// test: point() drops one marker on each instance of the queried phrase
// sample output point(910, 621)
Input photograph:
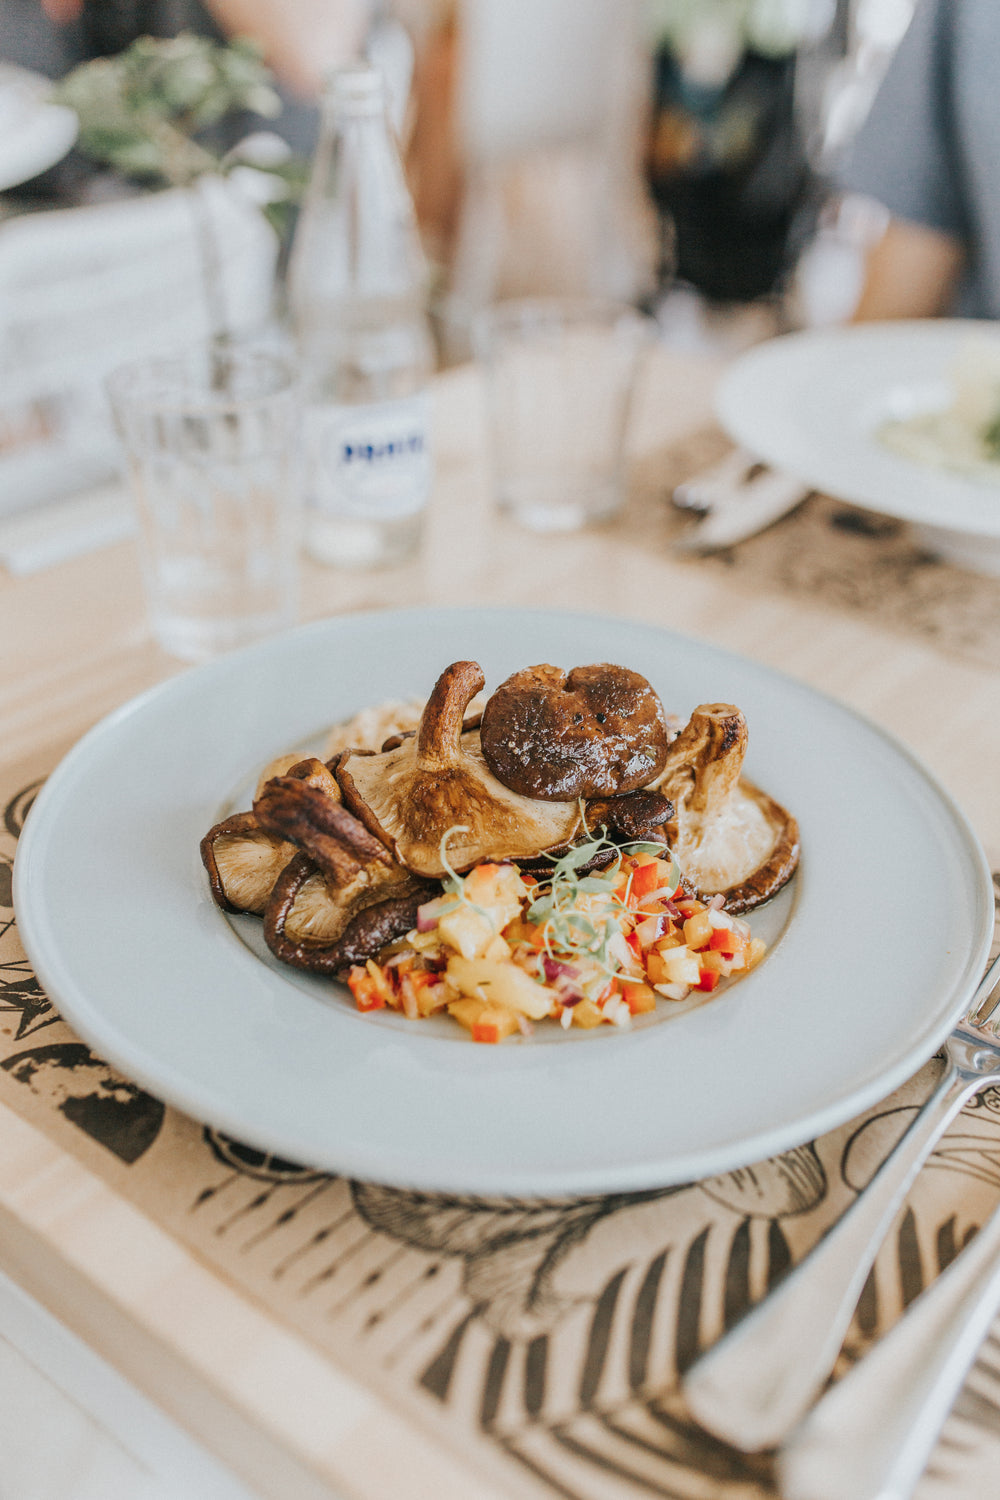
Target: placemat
point(542, 1339)
point(834, 554)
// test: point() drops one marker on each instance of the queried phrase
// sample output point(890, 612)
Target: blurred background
point(679, 154)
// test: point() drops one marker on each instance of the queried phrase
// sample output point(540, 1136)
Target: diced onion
point(427, 915)
point(673, 991)
point(663, 894)
point(650, 929)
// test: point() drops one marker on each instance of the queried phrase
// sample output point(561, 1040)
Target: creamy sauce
point(953, 437)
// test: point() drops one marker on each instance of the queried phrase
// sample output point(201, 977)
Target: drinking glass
point(560, 377)
point(211, 440)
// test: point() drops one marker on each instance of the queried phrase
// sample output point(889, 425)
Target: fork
point(756, 1384)
point(871, 1436)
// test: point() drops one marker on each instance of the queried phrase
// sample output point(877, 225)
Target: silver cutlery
point(736, 498)
point(871, 1436)
point(757, 1383)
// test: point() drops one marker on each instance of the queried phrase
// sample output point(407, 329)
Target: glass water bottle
point(357, 296)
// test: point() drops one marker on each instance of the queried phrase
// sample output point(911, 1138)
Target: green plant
point(147, 113)
point(141, 111)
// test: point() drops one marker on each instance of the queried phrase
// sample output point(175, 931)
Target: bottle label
point(370, 462)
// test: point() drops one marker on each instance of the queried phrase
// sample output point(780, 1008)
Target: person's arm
point(911, 272)
point(302, 39)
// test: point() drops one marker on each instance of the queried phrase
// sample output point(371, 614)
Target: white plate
point(34, 134)
point(891, 925)
point(812, 403)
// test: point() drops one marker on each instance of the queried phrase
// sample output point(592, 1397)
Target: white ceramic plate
point(891, 924)
point(812, 403)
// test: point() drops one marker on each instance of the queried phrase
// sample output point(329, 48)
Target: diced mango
point(698, 930)
point(503, 983)
point(498, 889)
point(656, 969)
point(681, 966)
point(640, 998)
point(755, 951)
point(467, 931)
point(486, 1022)
point(586, 1014)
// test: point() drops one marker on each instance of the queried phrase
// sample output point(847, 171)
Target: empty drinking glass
point(211, 439)
point(560, 377)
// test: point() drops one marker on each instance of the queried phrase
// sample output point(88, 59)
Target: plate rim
point(79, 1011)
point(749, 370)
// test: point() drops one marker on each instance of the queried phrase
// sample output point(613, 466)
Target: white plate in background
point(812, 403)
point(34, 134)
point(891, 925)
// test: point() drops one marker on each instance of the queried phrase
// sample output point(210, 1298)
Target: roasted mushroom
point(636, 815)
point(243, 858)
point(596, 731)
point(313, 924)
point(343, 896)
point(438, 784)
point(243, 861)
point(727, 835)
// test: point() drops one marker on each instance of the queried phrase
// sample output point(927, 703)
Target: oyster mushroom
point(343, 896)
point(438, 783)
point(313, 924)
point(242, 857)
point(727, 834)
point(243, 861)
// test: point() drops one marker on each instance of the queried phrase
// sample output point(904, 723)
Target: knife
point(736, 497)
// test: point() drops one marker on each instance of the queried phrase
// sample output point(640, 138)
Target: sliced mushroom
point(313, 925)
point(634, 815)
point(727, 834)
point(343, 896)
point(307, 811)
point(280, 766)
point(243, 861)
point(438, 784)
point(242, 856)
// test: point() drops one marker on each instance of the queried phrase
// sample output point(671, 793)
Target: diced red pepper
point(485, 1031)
point(707, 979)
point(646, 879)
point(726, 940)
point(367, 995)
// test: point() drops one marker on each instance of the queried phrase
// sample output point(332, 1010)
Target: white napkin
point(39, 539)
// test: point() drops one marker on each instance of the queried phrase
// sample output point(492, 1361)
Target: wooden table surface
point(76, 646)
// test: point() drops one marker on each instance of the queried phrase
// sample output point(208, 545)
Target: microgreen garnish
point(454, 884)
point(579, 933)
point(579, 912)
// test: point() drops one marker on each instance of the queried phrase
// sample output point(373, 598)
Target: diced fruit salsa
point(502, 949)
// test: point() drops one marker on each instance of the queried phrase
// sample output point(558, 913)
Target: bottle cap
point(358, 87)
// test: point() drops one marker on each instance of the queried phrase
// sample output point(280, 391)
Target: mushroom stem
point(308, 817)
point(708, 755)
point(441, 722)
